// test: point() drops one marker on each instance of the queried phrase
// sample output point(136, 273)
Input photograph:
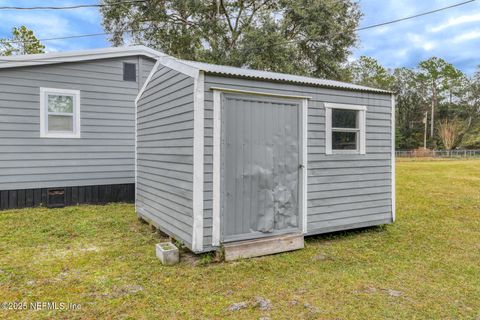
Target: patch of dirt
point(68, 274)
point(238, 306)
point(262, 303)
point(394, 293)
point(372, 290)
point(259, 302)
point(125, 291)
point(301, 291)
point(189, 258)
point(367, 290)
point(322, 257)
point(30, 283)
point(310, 308)
point(63, 253)
point(294, 302)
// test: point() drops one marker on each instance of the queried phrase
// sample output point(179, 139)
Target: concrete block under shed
point(168, 253)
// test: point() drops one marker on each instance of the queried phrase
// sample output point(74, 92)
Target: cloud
point(452, 34)
point(471, 35)
point(420, 41)
point(54, 24)
point(43, 24)
point(457, 21)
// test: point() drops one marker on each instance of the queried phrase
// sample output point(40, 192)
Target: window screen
point(60, 113)
point(344, 118)
point(345, 129)
point(344, 140)
point(129, 71)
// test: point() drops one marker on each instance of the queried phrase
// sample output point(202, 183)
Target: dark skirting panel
point(51, 197)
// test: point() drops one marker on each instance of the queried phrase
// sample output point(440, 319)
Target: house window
point(59, 113)
point(129, 71)
point(345, 129)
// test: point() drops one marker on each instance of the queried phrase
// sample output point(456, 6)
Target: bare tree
point(450, 131)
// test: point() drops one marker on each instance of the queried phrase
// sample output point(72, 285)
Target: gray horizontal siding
point(105, 152)
point(165, 153)
point(344, 191)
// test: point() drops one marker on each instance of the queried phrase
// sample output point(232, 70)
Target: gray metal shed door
point(260, 166)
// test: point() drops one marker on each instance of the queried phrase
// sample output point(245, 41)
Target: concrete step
point(263, 246)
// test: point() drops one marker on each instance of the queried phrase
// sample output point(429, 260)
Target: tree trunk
point(434, 99)
point(425, 133)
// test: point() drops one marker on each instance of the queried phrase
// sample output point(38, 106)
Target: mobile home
point(67, 126)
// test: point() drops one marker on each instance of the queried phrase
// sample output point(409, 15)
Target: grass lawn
point(425, 266)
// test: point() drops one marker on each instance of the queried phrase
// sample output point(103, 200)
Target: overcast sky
point(453, 34)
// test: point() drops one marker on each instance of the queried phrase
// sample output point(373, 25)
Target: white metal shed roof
point(75, 56)
point(267, 75)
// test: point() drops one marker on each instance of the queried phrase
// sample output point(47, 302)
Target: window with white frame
point(344, 128)
point(59, 113)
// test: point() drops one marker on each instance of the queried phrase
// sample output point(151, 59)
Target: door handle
point(301, 166)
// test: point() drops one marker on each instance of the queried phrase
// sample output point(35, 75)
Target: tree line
point(437, 105)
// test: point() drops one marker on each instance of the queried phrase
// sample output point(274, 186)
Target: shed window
point(59, 113)
point(345, 128)
point(129, 71)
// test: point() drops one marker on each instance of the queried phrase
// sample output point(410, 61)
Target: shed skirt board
point(260, 163)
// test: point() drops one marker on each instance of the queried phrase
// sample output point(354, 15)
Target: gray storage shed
point(227, 154)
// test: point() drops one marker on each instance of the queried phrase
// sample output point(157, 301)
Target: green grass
point(425, 266)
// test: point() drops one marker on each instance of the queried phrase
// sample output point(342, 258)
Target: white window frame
point(75, 94)
point(362, 111)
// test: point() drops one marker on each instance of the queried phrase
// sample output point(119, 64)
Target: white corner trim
point(171, 63)
point(139, 95)
point(393, 160)
point(304, 161)
point(198, 160)
point(217, 96)
point(179, 66)
point(44, 113)
point(362, 120)
point(147, 81)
